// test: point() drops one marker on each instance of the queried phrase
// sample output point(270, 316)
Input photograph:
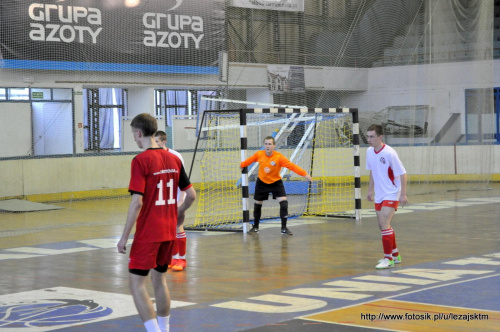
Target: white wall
point(442, 86)
point(141, 100)
point(78, 120)
point(78, 80)
point(15, 118)
point(259, 95)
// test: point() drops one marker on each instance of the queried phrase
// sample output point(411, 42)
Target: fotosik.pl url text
point(425, 316)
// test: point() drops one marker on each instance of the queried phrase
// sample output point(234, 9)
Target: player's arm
point(248, 161)
point(284, 162)
point(404, 181)
point(399, 169)
point(371, 185)
point(133, 212)
point(186, 186)
point(188, 201)
point(183, 193)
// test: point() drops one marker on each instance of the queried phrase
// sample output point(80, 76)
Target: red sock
point(181, 244)
point(395, 252)
point(175, 250)
point(387, 235)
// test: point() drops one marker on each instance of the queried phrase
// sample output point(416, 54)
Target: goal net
point(321, 141)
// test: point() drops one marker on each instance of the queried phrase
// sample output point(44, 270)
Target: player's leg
point(142, 259)
point(159, 279)
point(175, 254)
point(280, 194)
point(261, 194)
point(162, 297)
point(283, 202)
point(179, 262)
point(180, 250)
point(396, 257)
point(384, 216)
point(392, 207)
point(257, 213)
point(142, 301)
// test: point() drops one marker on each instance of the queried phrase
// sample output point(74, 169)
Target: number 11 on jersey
point(170, 187)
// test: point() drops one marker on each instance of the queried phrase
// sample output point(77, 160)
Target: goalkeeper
point(269, 181)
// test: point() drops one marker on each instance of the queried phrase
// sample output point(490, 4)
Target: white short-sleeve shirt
point(180, 194)
point(386, 171)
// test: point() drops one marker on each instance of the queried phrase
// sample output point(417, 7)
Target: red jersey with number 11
point(156, 175)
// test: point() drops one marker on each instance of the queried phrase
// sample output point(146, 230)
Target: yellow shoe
point(172, 262)
point(180, 265)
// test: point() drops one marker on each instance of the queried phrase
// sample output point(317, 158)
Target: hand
point(309, 178)
point(403, 200)
point(369, 196)
point(122, 246)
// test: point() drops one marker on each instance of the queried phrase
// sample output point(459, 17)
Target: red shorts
point(147, 256)
point(392, 204)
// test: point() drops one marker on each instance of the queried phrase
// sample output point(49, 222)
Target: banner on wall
point(172, 36)
point(284, 5)
point(285, 79)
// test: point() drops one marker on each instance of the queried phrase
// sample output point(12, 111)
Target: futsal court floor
point(60, 271)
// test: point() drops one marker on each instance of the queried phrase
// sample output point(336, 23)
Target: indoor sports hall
point(220, 76)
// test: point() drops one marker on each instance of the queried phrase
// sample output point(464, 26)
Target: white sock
point(152, 325)
point(164, 323)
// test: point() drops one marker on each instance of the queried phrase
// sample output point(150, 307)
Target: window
point(102, 120)
point(171, 102)
point(19, 94)
point(62, 94)
point(44, 116)
point(179, 102)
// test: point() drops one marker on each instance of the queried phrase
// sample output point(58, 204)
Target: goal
point(323, 141)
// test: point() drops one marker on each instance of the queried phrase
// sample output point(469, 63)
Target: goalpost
point(323, 141)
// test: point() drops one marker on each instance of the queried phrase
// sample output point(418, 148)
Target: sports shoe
point(172, 262)
point(385, 264)
point(395, 259)
point(254, 230)
point(286, 231)
point(180, 265)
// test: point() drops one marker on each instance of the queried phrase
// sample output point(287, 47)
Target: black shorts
point(263, 189)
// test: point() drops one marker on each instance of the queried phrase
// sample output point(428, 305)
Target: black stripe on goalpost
point(357, 164)
point(244, 173)
point(355, 142)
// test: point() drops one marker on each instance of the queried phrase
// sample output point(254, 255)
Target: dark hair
point(378, 129)
point(146, 123)
point(271, 138)
point(162, 135)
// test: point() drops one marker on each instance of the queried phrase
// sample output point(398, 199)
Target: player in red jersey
point(155, 176)
point(269, 181)
point(388, 178)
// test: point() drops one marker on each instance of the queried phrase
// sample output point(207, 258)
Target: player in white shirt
point(388, 179)
point(179, 252)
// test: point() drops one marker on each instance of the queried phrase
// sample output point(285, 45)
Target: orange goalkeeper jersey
point(270, 167)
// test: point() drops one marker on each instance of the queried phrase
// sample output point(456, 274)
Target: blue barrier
point(294, 187)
